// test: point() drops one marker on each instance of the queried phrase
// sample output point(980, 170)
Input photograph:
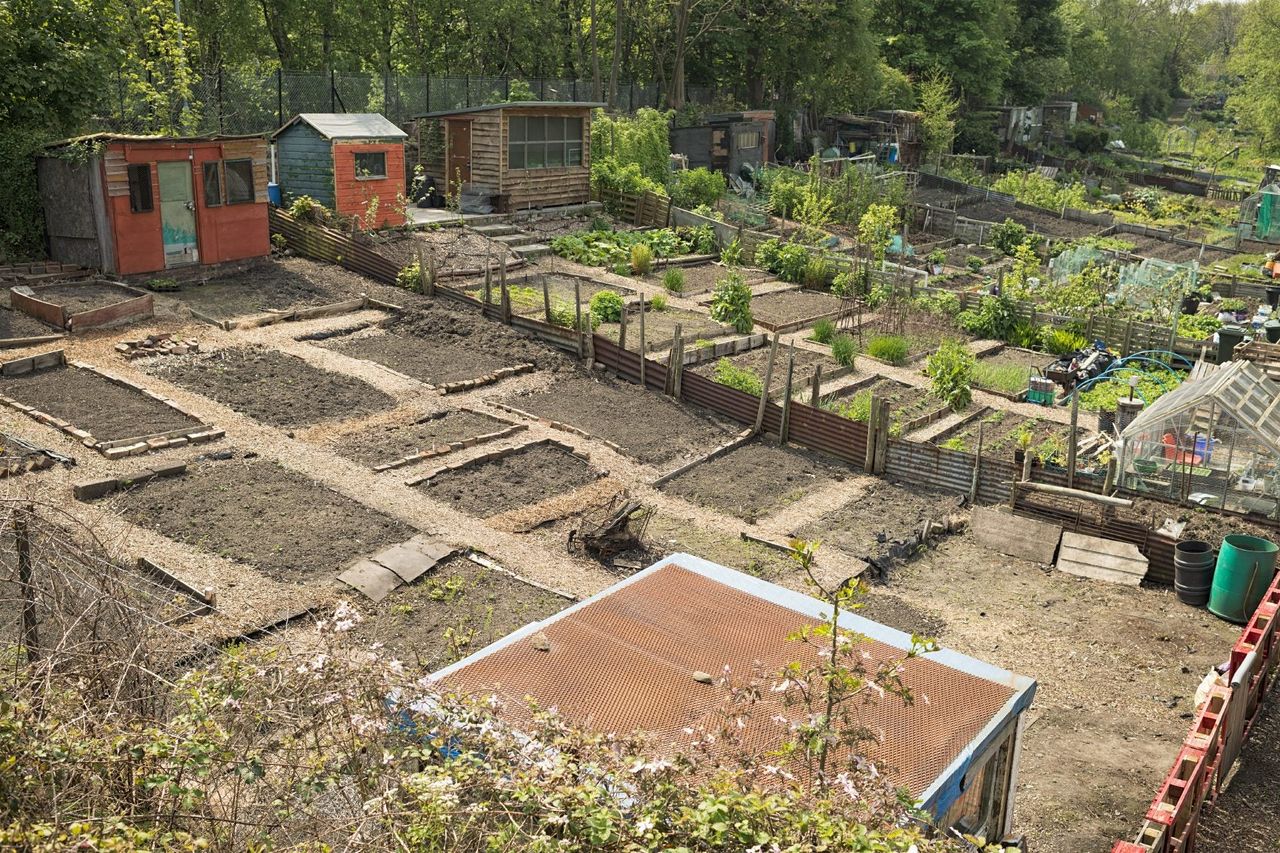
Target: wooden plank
point(1015, 536)
point(1102, 559)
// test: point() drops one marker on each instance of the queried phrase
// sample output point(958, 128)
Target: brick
point(116, 452)
point(175, 469)
point(157, 443)
point(93, 489)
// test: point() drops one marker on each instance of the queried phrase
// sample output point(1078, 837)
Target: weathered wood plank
point(1016, 536)
point(1102, 559)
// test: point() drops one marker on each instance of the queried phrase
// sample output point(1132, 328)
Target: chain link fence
point(247, 100)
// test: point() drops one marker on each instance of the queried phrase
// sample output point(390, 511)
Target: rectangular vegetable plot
point(754, 480)
point(273, 387)
point(528, 475)
point(393, 443)
point(108, 414)
point(257, 512)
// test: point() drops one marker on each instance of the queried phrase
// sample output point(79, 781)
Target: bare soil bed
point(458, 608)
point(94, 403)
point(646, 425)
point(1000, 436)
point(1154, 247)
point(793, 306)
point(15, 324)
point(1116, 668)
point(757, 361)
point(454, 249)
point(392, 440)
point(754, 480)
point(958, 256)
point(923, 335)
point(84, 296)
point(272, 387)
point(256, 511)
point(547, 228)
point(526, 293)
point(432, 362)
point(1202, 524)
point(960, 282)
point(884, 512)
point(660, 328)
point(907, 403)
point(935, 197)
point(274, 284)
point(527, 477)
point(1032, 220)
point(702, 278)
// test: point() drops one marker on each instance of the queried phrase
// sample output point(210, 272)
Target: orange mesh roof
point(624, 660)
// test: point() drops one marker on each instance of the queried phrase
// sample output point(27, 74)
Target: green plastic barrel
point(1246, 565)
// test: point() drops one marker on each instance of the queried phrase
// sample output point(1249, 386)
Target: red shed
point(351, 162)
point(131, 205)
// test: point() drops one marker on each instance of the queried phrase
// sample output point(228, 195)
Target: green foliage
point(693, 187)
point(641, 259)
point(622, 268)
point(845, 283)
point(1197, 327)
point(519, 90)
point(974, 263)
point(889, 348)
point(1088, 138)
point(701, 239)
point(732, 253)
point(938, 107)
point(994, 319)
point(1024, 335)
point(950, 369)
point(163, 285)
point(731, 303)
point(817, 272)
point(1102, 396)
point(1061, 341)
point(658, 302)
point(1035, 188)
point(876, 229)
point(673, 280)
point(409, 277)
point(304, 208)
point(1006, 378)
point(844, 349)
point(611, 248)
point(641, 141)
point(824, 331)
point(606, 306)
point(1005, 237)
point(741, 378)
point(788, 261)
point(943, 303)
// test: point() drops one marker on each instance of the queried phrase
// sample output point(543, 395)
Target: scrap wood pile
point(157, 344)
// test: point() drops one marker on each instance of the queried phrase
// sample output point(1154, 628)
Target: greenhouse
point(1214, 441)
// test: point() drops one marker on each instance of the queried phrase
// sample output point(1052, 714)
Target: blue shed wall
point(305, 160)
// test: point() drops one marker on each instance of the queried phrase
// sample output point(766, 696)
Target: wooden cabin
point(352, 163)
point(516, 156)
point(131, 205)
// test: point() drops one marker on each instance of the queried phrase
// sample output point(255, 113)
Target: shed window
point(239, 177)
point(371, 164)
point(140, 188)
point(212, 184)
point(744, 140)
point(543, 142)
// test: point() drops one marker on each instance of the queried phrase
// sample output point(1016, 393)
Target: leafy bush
point(937, 257)
point(641, 258)
point(673, 280)
point(638, 146)
point(817, 272)
point(731, 303)
point(409, 277)
point(1197, 327)
point(1024, 335)
point(944, 303)
point(1034, 188)
point(606, 306)
point(694, 187)
point(622, 268)
point(1061, 341)
point(950, 368)
point(700, 240)
point(1088, 138)
point(1007, 236)
point(844, 349)
point(741, 378)
point(824, 331)
point(611, 248)
point(845, 283)
point(974, 263)
point(304, 208)
point(994, 319)
point(564, 314)
point(890, 348)
point(658, 302)
point(732, 253)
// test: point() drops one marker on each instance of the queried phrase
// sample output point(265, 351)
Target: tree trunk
point(675, 87)
point(596, 94)
point(619, 17)
point(279, 34)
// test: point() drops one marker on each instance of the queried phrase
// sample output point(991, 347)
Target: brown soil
point(1247, 813)
point(1000, 431)
point(660, 328)
point(935, 197)
point(753, 481)
point(255, 511)
point(1202, 524)
point(1116, 668)
point(757, 360)
point(792, 306)
point(923, 335)
point(427, 361)
point(548, 228)
point(454, 249)
point(906, 402)
point(1154, 247)
point(866, 525)
point(702, 278)
point(391, 441)
point(527, 477)
point(94, 403)
point(456, 609)
point(15, 324)
point(1032, 220)
point(958, 256)
point(1015, 357)
point(644, 424)
point(76, 297)
point(274, 284)
point(270, 386)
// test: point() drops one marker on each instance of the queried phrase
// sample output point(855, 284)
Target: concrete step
point(496, 229)
point(533, 250)
point(515, 241)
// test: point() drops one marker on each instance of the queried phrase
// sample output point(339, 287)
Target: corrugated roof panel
point(352, 125)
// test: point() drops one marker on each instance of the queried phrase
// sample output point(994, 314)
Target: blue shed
point(345, 161)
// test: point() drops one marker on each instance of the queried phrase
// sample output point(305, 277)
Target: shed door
point(177, 213)
point(459, 159)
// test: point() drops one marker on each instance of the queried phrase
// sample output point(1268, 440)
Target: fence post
point(546, 298)
point(869, 463)
point(1071, 441)
point(505, 296)
point(466, 83)
point(622, 328)
point(30, 625)
point(785, 429)
point(279, 98)
point(977, 467)
point(333, 91)
point(488, 285)
point(642, 359)
point(577, 313)
point(817, 386)
point(768, 378)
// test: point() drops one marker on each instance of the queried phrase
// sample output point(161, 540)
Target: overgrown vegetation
point(607, 306)
point(889, 348)
point(950, 369)
point(741, 378)
point(731, 303)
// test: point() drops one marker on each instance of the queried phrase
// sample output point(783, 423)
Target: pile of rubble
point(157, 344)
